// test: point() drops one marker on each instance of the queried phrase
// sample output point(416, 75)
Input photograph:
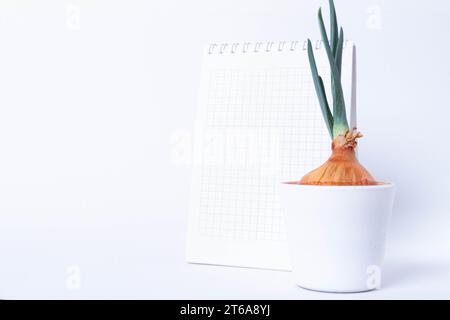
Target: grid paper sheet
point(258, 125)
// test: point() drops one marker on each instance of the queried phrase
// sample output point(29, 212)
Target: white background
point(98, 96)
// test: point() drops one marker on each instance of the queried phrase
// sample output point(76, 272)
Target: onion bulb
point(342, 168)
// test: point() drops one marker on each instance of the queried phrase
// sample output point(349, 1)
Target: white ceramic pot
point(337, 235)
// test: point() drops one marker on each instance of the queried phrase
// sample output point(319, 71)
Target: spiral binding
point(257, 47)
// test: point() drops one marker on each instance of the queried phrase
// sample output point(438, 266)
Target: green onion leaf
point(340, 124)
point(320, 90)
point(334, 33)
point(339, 51)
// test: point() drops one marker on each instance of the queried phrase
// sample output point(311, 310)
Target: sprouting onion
point(342, 168)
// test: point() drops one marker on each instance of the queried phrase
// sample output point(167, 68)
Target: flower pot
point(337, 235)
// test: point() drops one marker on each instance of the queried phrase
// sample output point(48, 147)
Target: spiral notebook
point(258, 124)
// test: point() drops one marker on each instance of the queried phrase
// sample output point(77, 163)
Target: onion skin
point(342, 168)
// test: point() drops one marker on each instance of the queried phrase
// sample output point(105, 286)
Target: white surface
point(337, 235)
point(258, 124)
point(95, 128)
point(137, 266)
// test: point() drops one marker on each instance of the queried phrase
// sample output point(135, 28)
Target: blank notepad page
point(258, 125)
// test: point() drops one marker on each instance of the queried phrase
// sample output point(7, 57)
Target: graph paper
point(258, 125)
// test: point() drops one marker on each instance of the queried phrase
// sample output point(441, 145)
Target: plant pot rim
point(383, 185)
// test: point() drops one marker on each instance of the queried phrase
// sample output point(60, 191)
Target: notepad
point(258, 124)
